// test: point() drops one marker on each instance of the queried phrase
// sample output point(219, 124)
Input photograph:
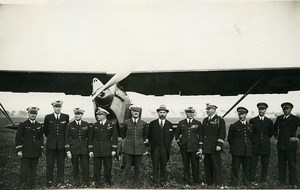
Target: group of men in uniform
point(80, 141)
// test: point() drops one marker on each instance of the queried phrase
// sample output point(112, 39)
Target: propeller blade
point(114, 80)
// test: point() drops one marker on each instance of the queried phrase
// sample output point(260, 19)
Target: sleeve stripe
point(221, 140)
point(114, 146)
point(20, 146)
point(67, 146)
point(200, 142)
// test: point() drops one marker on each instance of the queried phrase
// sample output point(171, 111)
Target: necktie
point(57, 117)
point(134, 122)
point(161, 123)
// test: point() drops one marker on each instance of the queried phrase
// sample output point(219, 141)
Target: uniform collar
point(261, 117)
point(286, 116)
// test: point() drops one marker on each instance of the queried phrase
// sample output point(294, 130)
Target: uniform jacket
point(55, 131)
point(76, 137)
point(154, 129)
point(240, 139)
point(134, 137)
point(262, 132)
point(29, 139)
point(188, 135)
point(212, 134)
point(284, 129)
point(103, 139)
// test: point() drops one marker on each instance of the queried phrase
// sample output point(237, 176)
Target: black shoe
point(49, 184)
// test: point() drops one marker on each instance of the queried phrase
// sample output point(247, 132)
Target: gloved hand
point(218, 148)
point(91, 154)
point(69, 155)
point(113, 153)
point(20, 154)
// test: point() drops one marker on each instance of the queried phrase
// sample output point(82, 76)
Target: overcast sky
point(145, 35)
point(151, 35)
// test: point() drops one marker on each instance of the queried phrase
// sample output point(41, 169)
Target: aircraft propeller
point(114, 80)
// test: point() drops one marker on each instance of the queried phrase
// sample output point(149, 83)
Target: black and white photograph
point(149, 94)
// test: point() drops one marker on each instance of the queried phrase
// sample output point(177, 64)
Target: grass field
point(9, 166)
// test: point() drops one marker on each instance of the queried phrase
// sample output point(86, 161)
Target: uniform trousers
point(287, 157)
point(235, 167)
point(83, 160)
point(28, 171)
point(107, 167)
point(212, 168)
point(264, 160)
point(132, 160)
point(51, 156)
point(187, 158)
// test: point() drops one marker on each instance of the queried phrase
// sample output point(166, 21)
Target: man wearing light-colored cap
point(285, 128)
point(103, 139)
point(240, 140)
point(54, 129)
point(262, 132)
point(29, 145)
point(76, 145)
point(135, 133)
point(187, 137)
point(161, 134)
point(212, 137)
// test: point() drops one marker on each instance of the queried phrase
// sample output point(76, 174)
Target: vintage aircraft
point(112, 95)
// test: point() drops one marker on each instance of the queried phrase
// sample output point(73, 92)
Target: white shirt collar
point(286, 116)
point(135, 119)
point(78, 122)
point(56, 114)
point(103, 121)
point(261, 117)
point(243, 122)
point(210, 117)
point(161, 120)
point(189, 120)
point(32, 121)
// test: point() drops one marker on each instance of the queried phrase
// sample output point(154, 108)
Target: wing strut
point(2, 109)
point(245, 95)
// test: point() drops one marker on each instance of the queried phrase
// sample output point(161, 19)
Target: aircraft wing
point(205, 82)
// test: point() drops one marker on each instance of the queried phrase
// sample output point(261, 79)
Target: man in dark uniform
point(54, 129)
point(240, 140)
point(262, 132)
point(161, 134)
point(212, 136)
point(103, 139)
point(29, 145)
point(187, 137)
point(76, 144)
point(135, 133)
point(285, 128)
